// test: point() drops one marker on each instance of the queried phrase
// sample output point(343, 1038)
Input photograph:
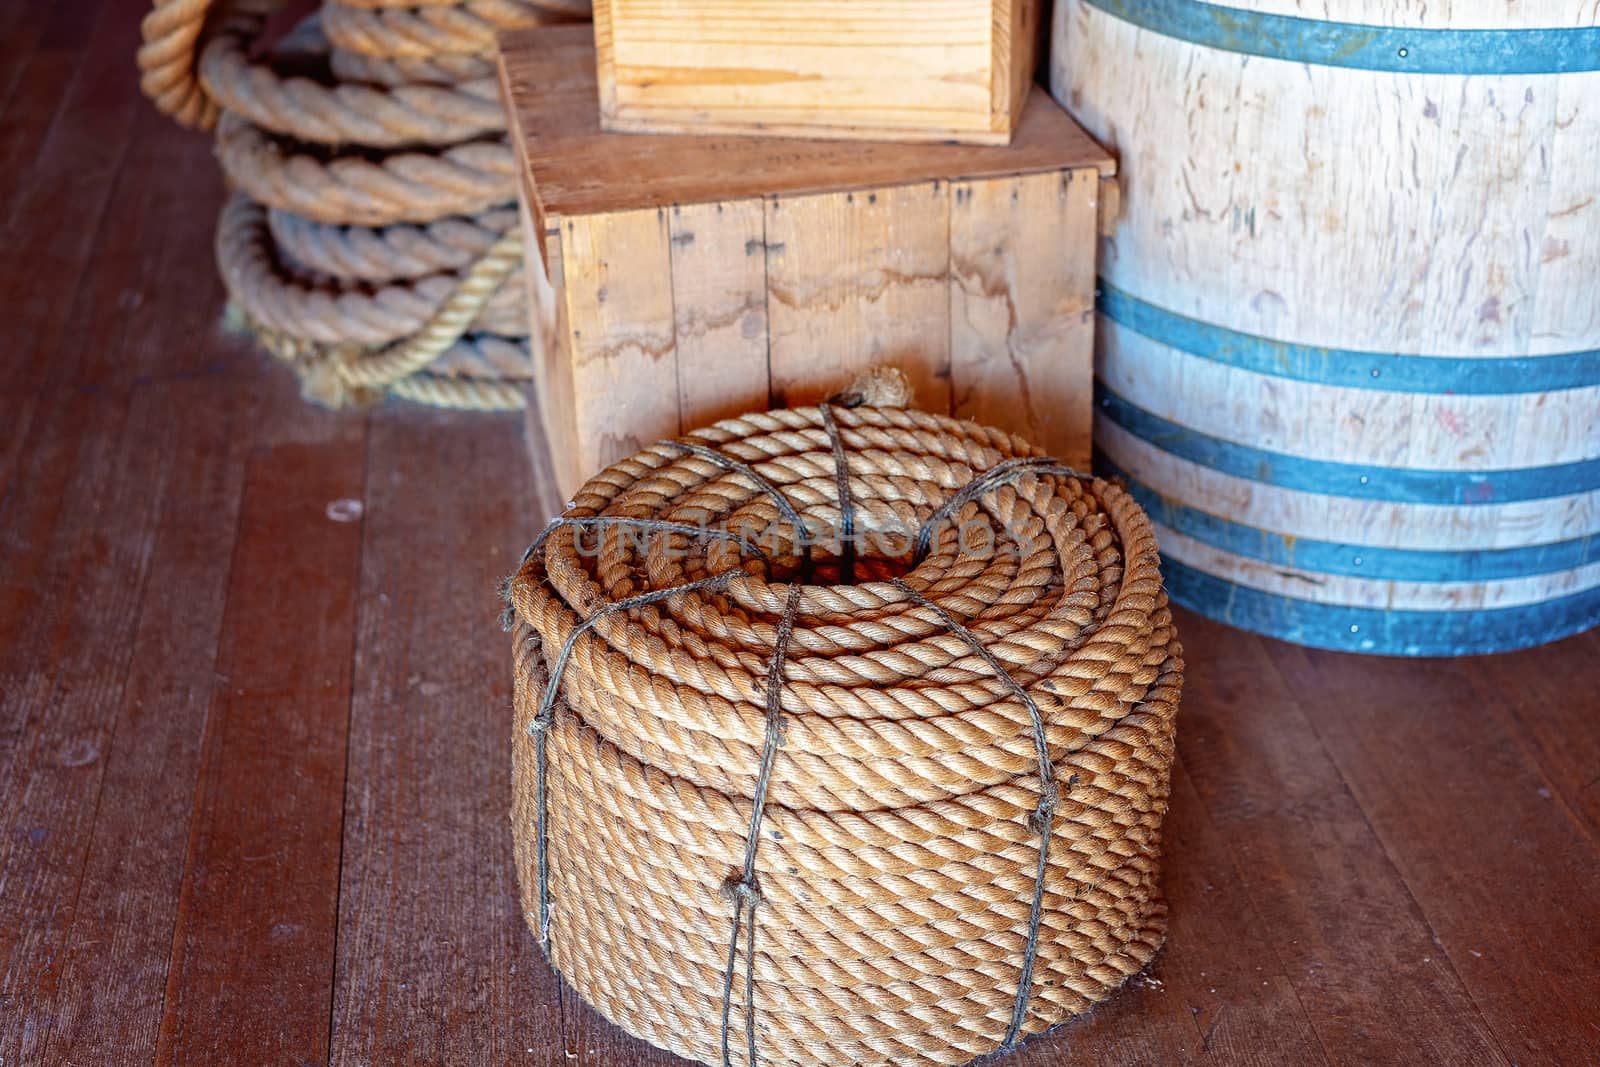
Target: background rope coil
point(969, 765)
point(386, 253)
point(370, 244)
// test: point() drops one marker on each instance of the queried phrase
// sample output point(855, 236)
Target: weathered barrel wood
point(1349, 350)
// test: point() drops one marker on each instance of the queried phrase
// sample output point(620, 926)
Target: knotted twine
point(1000, 475)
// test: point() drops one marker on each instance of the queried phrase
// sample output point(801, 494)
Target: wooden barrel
point(1349, 353)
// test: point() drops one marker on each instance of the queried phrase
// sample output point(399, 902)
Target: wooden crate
point(928, 70)
point(679, 280)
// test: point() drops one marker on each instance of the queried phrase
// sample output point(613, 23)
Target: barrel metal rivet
point(1404, 52)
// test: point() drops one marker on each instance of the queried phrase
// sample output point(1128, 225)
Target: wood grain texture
point(1014, 50)
point(616, 272)
point(67, 128)
point(1348, 931)
point(1370, 840)
point(1454, 14)
point(1562, 735)
point(856, 281)
point(420, 978)
point(551, 413)
point(931, 70)
point(786, 268)
point(118, 935)
point(719, 300)
point(252, 950)
point(88, 518)
point(42, 59)
point(50, 772)
point(119, 938)
point(1433, 767)
point(1022, 307)
point(1239, 208)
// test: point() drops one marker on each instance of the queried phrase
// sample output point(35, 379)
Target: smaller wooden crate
point(675, 281)
point(909, 70)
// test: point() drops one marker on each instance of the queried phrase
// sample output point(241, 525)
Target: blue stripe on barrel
point(1349, 368)
point(1351, 559)
point(1361, 46)
point(1401, 485)
point(1377, 631)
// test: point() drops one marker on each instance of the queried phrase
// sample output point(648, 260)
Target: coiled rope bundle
point(843, 736)
point(371, 239)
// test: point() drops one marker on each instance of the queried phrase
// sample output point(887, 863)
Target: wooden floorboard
point(255, 711)
point(146, 754)
point(42, 49)
point(1345, 928)
point(59, 200)
point(76, 547)
point(1474, 828)
point(433, 963)
point(251, 971)
point(1533, 694)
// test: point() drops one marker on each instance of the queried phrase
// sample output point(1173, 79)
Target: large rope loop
point(171, 36)
point(331, 314)
point(407, 186)
point(371, 243)
point(422, 31)
point(385, 254)
point(346, 113)
point(341, 373)
point(427, 70)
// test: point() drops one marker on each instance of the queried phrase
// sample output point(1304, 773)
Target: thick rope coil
point(426, 30)
point(368, 247)
point(342, 373)
point(945, 778)
point(171, 36)
point(331, 316)
point(356, 253)
point(436, 70)
point(451, 382)
point(346, 113)
point(409, 186)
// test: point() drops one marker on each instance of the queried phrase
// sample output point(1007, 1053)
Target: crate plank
point(788, 267)
point(1022, 309)
point(719, 299)
point(548, 78)
point(551, 423)
point(617, 270)
point(857, 280)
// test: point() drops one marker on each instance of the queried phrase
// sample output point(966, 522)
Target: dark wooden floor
point(254, 742)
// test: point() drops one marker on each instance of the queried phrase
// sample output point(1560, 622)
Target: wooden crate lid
point(572, 167)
